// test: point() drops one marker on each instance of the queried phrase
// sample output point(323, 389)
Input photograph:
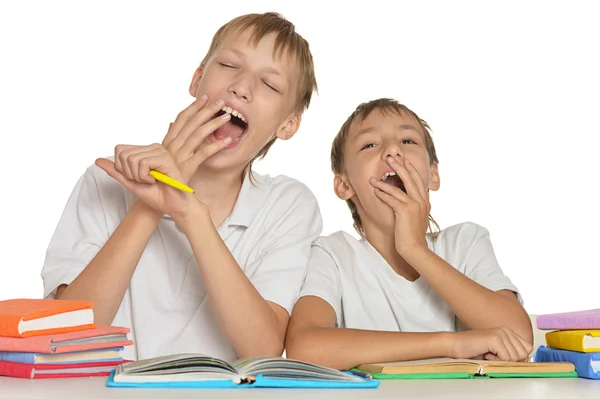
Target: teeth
point(234, 112)
point(387, 174)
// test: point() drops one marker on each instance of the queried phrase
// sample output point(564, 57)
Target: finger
point(140, 167)
point(409, 182)
point(394, 203)
point(491, 356)
point(389, 189)
point(162, 163)
point(200, 134)
point(208, 151)
point(126, 158)
point(121, 154)
point(510, 347)
point(182, 119)
point(109, 167)
point(498, 348)
point(200, 118)
point(523, 347)
point(417, 178)
point(119, 149)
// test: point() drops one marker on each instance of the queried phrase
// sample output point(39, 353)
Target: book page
point(279, 367)
point(178, 364)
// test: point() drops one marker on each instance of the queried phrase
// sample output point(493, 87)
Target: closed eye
point(368, 145)
point(270, 87)
point(226, 65)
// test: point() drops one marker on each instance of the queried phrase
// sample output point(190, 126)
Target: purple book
point(582, 320)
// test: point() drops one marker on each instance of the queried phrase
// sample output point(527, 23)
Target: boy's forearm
point(344, 348)
point(105, 279)
point(476, 306)
point(247, 319)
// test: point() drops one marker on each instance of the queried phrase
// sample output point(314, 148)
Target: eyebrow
point(373, 130)
point(270, 70)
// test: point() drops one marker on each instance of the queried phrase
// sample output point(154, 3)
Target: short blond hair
point(362, 112)
point(288, 41)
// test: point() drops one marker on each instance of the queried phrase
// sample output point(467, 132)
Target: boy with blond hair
point(217, 271)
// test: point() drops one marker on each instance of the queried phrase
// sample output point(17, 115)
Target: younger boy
point(401, 292)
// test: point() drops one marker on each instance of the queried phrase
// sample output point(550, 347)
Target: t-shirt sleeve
point(323, 280)
point(278, 272)
point(482, 265)
point(79, 235)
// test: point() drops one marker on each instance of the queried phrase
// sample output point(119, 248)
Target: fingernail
point(203, 97)
point(220, 102)
point(391, 160)
point(227, 139)
point(226, 115)
point(407, 162)
point(373, 180)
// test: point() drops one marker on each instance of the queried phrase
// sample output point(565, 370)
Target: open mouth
point(393, 179)
point(236, 128)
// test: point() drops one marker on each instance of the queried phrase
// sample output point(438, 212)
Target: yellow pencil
point(161, 177)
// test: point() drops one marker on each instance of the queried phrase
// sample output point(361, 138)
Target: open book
point(446, 368)
point(194, 370)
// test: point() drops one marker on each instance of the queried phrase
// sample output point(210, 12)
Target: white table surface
point(91, 388)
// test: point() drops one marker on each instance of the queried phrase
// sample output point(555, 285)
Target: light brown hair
point(384, 105)
point(288, 42)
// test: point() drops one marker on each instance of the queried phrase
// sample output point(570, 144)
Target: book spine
point(581, 361)
point(566, 341)
point(18, 370)
point(568, 322)
point(9, 326)
point(18, 357)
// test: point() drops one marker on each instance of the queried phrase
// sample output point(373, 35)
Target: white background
point(511, 90)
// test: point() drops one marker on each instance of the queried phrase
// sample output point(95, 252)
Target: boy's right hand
point(500, 343)
point(187, 138)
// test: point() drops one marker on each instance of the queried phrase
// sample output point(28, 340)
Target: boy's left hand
point(411, 209)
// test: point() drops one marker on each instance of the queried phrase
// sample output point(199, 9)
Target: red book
point(22, 370)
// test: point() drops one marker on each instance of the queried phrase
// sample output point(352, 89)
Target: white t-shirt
point(269, 233)
point(366, 293)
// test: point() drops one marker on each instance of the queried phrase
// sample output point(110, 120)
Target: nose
point(241, 88)
point(392, 150)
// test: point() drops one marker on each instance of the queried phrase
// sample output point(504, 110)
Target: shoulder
point(284, 188)
point(281, 197)
point(462, 232)
point(338, 244)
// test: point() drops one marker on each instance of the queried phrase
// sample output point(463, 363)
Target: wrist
point(448, 343)
point(196, 216)
point(415, 254)
point(141, 209)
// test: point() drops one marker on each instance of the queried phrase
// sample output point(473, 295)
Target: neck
point(384, 242)
point(218, 190)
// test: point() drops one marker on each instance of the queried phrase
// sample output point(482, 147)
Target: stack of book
point(43, 338)
point(575, 338)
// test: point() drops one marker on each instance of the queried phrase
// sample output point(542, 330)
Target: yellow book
point(574, 340)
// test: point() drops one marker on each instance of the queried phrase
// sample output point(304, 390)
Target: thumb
point(109, 167)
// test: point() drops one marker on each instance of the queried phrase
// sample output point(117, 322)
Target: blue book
point(587, 365)
point(89, 356)
point(200, 371)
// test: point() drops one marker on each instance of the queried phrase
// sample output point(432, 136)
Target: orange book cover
point(14, 312)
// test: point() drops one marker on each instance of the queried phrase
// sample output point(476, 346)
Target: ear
point(434, 178)
point(289, 128)
point(342, 187)
point(196, 80)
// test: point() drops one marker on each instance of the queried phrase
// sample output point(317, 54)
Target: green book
point(447, 368)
